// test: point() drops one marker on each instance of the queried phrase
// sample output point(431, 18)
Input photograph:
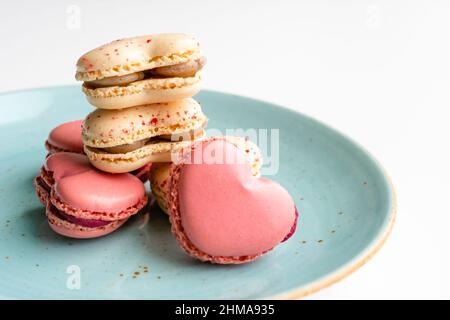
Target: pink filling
point(294, 226)
point(89, 223)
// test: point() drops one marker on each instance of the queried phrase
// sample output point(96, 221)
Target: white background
point(379, 71)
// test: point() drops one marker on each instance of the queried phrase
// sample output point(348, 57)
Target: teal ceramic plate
point(346, 205)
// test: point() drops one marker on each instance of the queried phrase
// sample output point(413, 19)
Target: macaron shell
point(153, 152)
point(108, 128)
point(71, 230)
point(153, 90)
point(66, 137)
point(128, 55)
point(235, 218)
point(99, 192)
point(66, 163)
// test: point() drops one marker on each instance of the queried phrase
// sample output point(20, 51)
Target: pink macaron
point(83, 202)
point(65, 137)
point(220, 212)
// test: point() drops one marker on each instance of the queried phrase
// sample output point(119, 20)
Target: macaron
point(83, 202)
point(141, 70)
point(124, 140)
point(159, 174)
point(65, 138)
point(220, 212)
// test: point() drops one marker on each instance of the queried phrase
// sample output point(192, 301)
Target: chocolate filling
point(181, 70)
point(125, 148)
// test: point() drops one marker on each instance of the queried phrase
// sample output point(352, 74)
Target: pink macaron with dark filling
point(65, 138)
point(220, 212)
point(83, 202)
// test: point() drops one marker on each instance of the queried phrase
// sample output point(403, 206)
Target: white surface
point(377, 71)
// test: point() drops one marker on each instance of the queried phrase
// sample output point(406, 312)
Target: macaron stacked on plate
point(141, 70)
point(124, 140)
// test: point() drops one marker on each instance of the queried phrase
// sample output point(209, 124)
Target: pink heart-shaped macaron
point(220, 212)
point(83, 202)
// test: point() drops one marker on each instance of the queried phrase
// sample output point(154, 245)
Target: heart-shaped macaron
point(83, 202)
point(220, 212)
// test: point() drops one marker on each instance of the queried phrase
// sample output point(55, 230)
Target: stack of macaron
point(142, 89)
point(147, 126)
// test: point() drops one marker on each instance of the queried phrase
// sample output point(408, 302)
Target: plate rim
point(352, 265)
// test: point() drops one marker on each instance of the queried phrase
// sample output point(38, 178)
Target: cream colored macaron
point(141, 70)
point(124, 140)
point(160, 172)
